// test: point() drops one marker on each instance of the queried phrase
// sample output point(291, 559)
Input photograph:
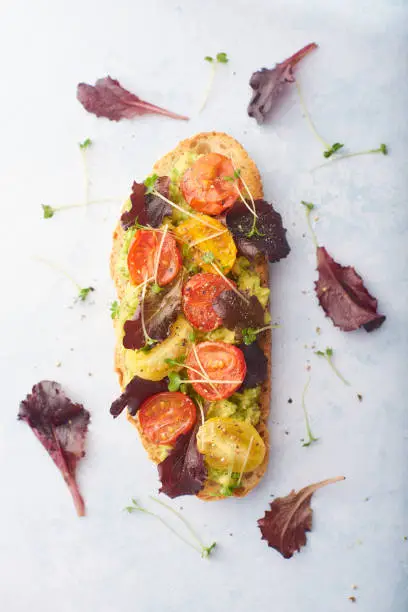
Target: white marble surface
point(356, 89)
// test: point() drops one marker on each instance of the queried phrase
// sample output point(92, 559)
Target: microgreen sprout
point(310, 436)
point(156, 288)
point(220, 58)
point(309, 207)
point(85, 144)
point(83, 292)
point(381, 149)
point(249, 334)
point(328, 356)
point(198, 545)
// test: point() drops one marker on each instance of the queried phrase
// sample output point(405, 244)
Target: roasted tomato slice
point(143, 253)
point(164, 416)
point(209, 185)
point(216, 361)
point(198, 296)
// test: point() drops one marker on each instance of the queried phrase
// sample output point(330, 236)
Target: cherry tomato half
point(142, 255)
point(209, 185)
point(221, 362)
point(164, 416)
point(198, 295)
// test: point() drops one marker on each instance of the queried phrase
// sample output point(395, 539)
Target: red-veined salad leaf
point(107, 98)
point(284, 526)
point(270, 237)
point(159, 312)
point(61, 427)
point(257, 365)
point(135, 393)
point(343, 296)
point(268, 84)
point(183, 472)
point(238, 312)
point(147, 209)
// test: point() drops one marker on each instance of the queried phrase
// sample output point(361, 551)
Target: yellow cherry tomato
point(230, 444)
point(210, 242)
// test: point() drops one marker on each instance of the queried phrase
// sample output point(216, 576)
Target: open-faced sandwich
point(190, 264)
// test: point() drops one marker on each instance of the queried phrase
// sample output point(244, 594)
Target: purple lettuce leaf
point(107, 98)
point(236, 313)
point(268, 84)
point(159, 311)
point(257, 366)
point(135, 393)
point(271, 236)
point(183, 472)
point(61, 427)
point(147, 209)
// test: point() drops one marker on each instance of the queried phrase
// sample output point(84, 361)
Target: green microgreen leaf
point(309, 207)
point(333, 149)
point(84, 292)
point(48, 211)
point(208, 58)
point(156, 288)
point(150, 183)
point(85, 144)
point(222, 58)
point(175, 381)
point(192, 336)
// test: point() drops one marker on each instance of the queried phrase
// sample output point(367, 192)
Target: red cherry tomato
point(164, 416)
point(143, 254)
point(198, 295)
point(209, 186)
point(221, 362)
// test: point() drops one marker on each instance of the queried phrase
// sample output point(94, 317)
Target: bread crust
point(203, 143)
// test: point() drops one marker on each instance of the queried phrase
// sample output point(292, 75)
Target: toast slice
point(207, 142)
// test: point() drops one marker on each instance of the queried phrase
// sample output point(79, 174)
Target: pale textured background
point(356, 89)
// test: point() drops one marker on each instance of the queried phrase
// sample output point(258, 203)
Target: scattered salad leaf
point(328, 355)
point(135, 393)
point(237, 313)
point(114, 309)
point(154, 316)
point(137, 211)
point(284, 526)
point(271, 236)
point(157, 208)
point(268, 84)
point(107, 98)
point(84, 292)
point(61, 427)
point(257, 366)
point(343, 296)
point(205, 551)
point(183, 472)
point(85, 144)
point(310, 436)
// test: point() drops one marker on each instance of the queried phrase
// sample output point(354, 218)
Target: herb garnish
point(328, 354)
point(83, 292)
point(249, 334)
point(310, 436)
point(85, 144)
point(205, 551)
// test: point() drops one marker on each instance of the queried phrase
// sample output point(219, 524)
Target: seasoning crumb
point(303, 235)
point(83, 316)
point(231, 534)
point(316, 219)
point(367, 499)
point(305, 346)
point(359, 397)
point(71, 349)
point(308, 367)
point(287, 432)
point(290, 401)
point(318, 330)
point(58, 364)
point(89, 373)
point(352, 599)
point(354, 587)
point(405, 538)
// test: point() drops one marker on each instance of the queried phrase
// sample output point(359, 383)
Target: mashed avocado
point(128, 305)
point(184, 162)
point(121, 264)
point(243, 406)
point(228, 482)
point(222, 334)
point(249, 280)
